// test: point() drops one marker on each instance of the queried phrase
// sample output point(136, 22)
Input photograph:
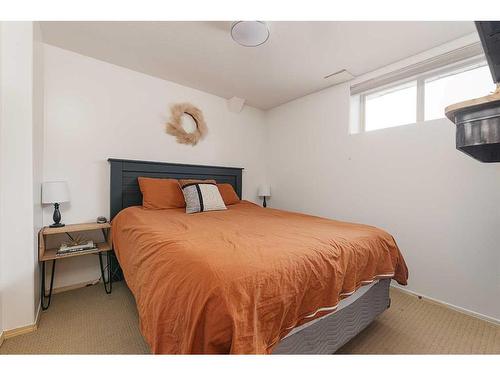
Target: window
point(421, 98)
point(446, 89)
point(393, 107)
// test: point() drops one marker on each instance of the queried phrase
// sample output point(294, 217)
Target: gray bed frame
point(326, 335)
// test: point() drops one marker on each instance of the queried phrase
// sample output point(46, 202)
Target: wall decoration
point(175, 128)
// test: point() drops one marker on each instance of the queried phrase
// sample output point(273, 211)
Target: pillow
point(201, 196)
point(228, 194)
point(161, 193)
point(188, 181)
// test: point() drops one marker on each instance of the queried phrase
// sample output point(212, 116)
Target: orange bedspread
point(237, 281)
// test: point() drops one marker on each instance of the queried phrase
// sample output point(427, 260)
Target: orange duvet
point(237, 281)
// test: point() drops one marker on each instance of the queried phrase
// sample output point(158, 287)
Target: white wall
point(95, 110)
point(442, 207)
point(17, 261)
point(1, 187)
point(37, 146)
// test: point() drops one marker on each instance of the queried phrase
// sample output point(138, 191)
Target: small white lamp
point(264, 192)
point(55, 192)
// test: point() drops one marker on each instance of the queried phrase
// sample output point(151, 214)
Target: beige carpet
point(89, 321)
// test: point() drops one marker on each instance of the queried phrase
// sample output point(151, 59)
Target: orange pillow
point(228, 194)
point(161, 193)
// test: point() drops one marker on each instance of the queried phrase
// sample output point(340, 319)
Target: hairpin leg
point(47, 297)
point(109, 282)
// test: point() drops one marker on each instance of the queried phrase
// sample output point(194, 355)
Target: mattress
point(328, 334)
point(342, 304)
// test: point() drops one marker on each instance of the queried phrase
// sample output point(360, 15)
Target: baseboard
point(38, 314)
point(67, 288)
point(474, 314)
point(22, 330)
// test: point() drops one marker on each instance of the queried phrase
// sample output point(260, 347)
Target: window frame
point(448, 70)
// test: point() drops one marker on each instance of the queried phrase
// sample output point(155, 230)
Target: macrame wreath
point(175, 128)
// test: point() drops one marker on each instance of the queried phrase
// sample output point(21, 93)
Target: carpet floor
point(88, 321)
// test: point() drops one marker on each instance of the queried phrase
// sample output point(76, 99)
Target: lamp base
point(56, 225)
point(56, 217)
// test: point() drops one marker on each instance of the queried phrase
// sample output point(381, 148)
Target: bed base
point(329, 334)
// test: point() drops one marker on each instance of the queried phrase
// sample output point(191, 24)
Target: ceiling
point(293, 63)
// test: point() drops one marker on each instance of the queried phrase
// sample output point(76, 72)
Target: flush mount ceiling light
point(250, 33)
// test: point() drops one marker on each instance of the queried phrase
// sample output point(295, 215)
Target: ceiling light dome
point(250, 33)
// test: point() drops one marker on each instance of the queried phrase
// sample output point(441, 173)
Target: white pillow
point(201, 197)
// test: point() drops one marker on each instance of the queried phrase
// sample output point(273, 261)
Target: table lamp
point(264, 191)
point(55, 192)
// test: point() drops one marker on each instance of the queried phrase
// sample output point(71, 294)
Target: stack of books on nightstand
point(64, 249)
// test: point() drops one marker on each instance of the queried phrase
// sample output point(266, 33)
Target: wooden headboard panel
point(124, 189)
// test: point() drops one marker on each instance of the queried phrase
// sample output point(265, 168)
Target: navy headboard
point(124, 189)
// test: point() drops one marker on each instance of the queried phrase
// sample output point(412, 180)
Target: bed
point(246, 280)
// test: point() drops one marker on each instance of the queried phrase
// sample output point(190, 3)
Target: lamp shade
point(264, 191)
point(55, 192)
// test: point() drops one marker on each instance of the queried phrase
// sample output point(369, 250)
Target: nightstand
point(47, 255)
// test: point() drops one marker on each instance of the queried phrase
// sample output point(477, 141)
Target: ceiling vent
point(338, 77)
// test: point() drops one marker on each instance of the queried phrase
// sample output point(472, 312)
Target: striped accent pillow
point(201, 196)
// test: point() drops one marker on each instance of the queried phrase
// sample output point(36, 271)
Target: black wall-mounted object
point(489, 33)
point(478, 132)
point(478, 120)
